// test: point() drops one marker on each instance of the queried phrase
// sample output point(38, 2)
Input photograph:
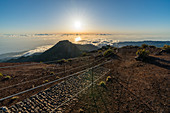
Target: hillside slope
point(63, 49)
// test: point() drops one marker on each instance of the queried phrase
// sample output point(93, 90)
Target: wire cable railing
point(52, 82)
point(119, 81)
point(46, 76)
point(79, 92)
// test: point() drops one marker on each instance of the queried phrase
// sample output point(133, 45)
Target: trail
point(51, 98)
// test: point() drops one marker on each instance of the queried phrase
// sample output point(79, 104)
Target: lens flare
point(77, 39)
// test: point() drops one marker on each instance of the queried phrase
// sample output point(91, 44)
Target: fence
point(82, 85)
point(47, 75)
point(115, 97)
point(77, 82)
point(46, 83)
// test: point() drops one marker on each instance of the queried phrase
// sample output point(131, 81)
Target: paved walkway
point(49, 99)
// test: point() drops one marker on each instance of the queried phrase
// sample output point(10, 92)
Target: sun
point(77, 39)
point(77, 25)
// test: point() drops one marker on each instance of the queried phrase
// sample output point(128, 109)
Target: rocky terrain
point(50, 99)
point(129, 86)
point(136, 86)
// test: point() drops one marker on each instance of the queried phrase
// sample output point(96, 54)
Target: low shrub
point(152, 46)
point(102, 83)
point(1, 75)
point(106, 47)
point(108, 52)
point(62, 61)
point(57, 77)
point(115, 48)
point(14, 98)
point(108, 79)
point(84, 54)
point(51, 73)
point(166, 48)
point(45, 81)
point(69, 60)
point(142, 54)
point(81, 111)
point(144, 46)
point(7, 77)
point(100, 51)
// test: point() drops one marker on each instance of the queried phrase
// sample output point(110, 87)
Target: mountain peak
point(63, 49)
point(64, 41)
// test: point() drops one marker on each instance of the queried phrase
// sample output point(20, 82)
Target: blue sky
point(110, 16)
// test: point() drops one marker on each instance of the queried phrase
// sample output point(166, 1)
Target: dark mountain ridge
point(63, 49)
point(139, 43)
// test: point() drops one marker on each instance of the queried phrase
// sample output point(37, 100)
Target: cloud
point(36, 50)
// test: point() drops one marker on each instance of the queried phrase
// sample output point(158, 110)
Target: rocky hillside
point(87, 47)
point(63, 49)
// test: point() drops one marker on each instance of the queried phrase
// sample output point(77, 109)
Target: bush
point(14, 98)
point(100, 51)
point(51, 73)
point(102, 83)
point(108, 52)
point(57, 77)
point(166, 48)
point(81, 111)
point(144, 46)
point(45, 81)
point(62, 61)
point(84, 54)
point(69, 60)
point(108, 79)
point(7, 77)
point(142, 54)
point(1, 75)
point(106, 47)
point(115, 48)
point(152, 46)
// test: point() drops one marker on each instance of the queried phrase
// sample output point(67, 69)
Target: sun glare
point(77, 39)
point(77, 25)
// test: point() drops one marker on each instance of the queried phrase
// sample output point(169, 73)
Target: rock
point(4, 109)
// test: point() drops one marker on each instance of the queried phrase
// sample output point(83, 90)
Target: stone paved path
point(49, 99)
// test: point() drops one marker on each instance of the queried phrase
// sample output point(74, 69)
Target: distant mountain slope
point(63, 49)
point(139, 43)
point(7, 56)
point(87, 47)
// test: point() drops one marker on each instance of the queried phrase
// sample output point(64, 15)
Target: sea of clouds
point(38, 43)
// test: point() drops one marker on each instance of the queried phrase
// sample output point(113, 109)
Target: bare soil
point(136, 86)
point(29, 76)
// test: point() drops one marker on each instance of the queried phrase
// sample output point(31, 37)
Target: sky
point(85, 16)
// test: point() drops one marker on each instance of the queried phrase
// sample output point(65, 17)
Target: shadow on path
point(159, 62)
